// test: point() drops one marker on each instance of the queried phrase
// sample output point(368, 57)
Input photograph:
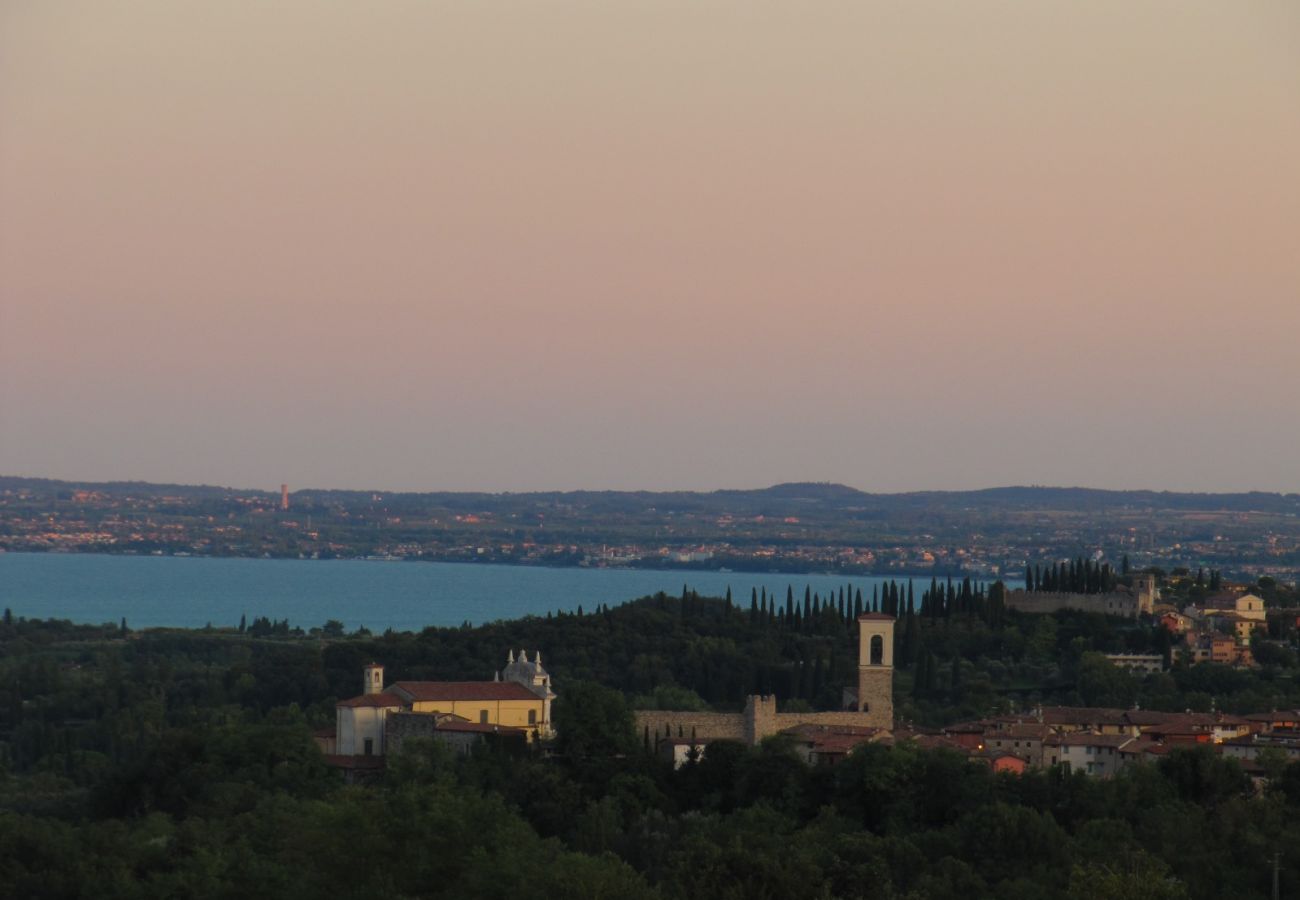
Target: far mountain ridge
point(777, 498)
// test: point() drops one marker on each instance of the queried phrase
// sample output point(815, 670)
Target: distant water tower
point(284, 496)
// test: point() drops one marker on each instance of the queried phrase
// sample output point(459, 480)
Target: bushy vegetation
point(181, 764)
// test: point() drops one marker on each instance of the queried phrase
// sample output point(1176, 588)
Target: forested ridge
point(181, 763)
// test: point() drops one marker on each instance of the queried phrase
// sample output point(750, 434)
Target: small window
point(877, 650)
point(532, 717)
point(370, 746)
point(482, 716)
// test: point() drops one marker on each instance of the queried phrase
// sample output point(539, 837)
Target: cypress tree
point(243, 622)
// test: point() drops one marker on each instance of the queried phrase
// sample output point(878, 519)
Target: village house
point(1093, 754)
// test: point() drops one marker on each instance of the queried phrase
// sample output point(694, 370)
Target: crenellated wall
point(759, 720)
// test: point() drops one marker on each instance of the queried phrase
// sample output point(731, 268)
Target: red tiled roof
point(1081, 715)
point(1093, 740)
point(876, 617)
point(445, 725)
point(464, 690)
point(379, 701)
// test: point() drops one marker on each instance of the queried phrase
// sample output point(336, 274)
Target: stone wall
point(876, 696)
point(759, 720)
point(848, 717)
point(706, 726)
point(1113, 604)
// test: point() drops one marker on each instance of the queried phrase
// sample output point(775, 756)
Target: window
point(482, 716)
point(532, 717)
point(877, 650)
point(370, 746)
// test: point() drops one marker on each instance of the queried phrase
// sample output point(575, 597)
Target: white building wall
point(355, 725)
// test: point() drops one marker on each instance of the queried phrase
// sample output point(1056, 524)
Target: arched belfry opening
point(877, 650)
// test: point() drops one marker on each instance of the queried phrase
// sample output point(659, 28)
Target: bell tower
point(876, 668)
point(372, 679)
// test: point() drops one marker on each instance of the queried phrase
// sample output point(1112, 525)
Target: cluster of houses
point(1095, 741)
point(1218, 629)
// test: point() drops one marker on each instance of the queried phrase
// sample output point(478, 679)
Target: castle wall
point(759, 720)
point(1112, 604)
point(834, 719)
point(707, 726)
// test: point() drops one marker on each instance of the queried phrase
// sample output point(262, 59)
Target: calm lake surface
point(190, 592)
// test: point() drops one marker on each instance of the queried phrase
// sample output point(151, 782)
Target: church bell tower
point(876, 668)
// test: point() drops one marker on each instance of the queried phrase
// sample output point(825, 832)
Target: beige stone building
point(868, 704)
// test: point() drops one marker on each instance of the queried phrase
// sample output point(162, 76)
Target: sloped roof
point(379, 701)
point(1094, 740)
point(480, 728)
point(420, 691)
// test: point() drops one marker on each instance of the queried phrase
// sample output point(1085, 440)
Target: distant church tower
point(876, 667)
point(372, 679)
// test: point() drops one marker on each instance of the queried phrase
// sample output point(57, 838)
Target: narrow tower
point(876, 668)
point(284, 496)
point(372, 679)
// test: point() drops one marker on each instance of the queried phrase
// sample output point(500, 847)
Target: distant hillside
point(787, 497)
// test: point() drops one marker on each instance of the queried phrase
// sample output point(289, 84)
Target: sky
point(916, 245)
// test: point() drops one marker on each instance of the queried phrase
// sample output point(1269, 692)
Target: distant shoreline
point(712, 570)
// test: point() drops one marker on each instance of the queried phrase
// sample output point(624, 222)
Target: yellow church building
point(517, 703)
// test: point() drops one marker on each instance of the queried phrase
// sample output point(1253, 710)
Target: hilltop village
point(514, 707)
point(930, 741)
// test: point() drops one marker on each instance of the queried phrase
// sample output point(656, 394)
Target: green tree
point(592, 720)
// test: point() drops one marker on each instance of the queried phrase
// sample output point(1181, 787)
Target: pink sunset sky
point(511, 246)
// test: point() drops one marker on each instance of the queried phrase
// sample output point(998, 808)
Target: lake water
point(191, 591)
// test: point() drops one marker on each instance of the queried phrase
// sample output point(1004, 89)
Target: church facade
point(516, 703)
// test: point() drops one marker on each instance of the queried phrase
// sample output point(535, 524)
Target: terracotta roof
point(379, 701)
point(464, 690)
point(1147, 717)
point(876, 617)
point(1081, 715)
point(1026, 730)
point(812, 730)
point(479, 727)
point(1094, 740)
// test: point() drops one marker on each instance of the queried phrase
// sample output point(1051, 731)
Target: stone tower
point(372, 679)
point(876, 668)
point(1144, 586)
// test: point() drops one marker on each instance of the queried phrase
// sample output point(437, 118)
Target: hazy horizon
point(659, 246)
point(309, 488)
